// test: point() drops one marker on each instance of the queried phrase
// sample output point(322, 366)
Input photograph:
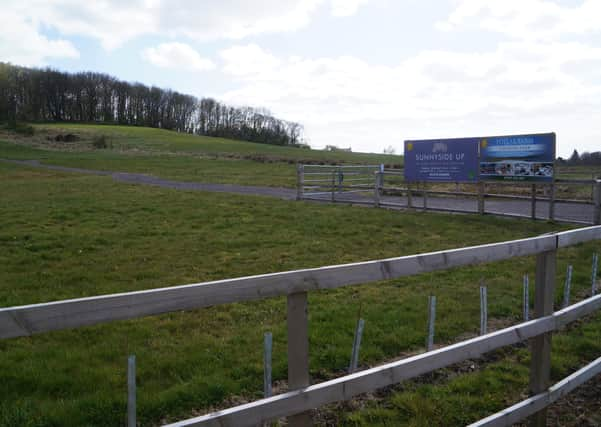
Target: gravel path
point(567, 212)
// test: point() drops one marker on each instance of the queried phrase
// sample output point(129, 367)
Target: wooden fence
point(38, 318)
point(387, 188)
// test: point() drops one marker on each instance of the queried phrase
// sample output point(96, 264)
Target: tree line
point(584, 159)
point(40, 95)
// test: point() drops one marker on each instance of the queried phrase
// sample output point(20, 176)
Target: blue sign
point(518, 157)
point(442, 160)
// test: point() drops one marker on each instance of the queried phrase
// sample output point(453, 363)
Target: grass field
point(173, 155)
point(67, 235)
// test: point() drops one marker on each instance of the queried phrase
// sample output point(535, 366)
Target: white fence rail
point(38, 318)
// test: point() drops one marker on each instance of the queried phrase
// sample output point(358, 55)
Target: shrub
point(21, 128)
point(101, 142)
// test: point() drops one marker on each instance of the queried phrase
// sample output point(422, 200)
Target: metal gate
point(337, 183)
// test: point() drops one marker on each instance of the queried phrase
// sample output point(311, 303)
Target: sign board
point(442, 160)
point(510, 157)
point(518, 157)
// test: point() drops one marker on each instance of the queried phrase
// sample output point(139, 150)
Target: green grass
point(65, 235)
point(173, 155)
point(164, 141)
point(177, 167)
point(453, 399)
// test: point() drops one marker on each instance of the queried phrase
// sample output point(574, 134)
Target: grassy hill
point(152, 140)
point(171, 154)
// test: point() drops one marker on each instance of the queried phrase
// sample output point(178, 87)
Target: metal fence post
point(594, 274)
point(526, 298)
point(409, 196)
point(431, 321)
point(131, 391)
point(533, 202)
point(540, 365)
point(300, 181)
point(267, 357)
point(483, 310)
point(356, 346)
point(298, 351)
point(566, 287)
point(425, 195)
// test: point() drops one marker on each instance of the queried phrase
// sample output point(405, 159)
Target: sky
point(365, 74)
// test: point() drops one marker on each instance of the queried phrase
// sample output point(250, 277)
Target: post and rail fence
point(297, 403)
point(380, 187)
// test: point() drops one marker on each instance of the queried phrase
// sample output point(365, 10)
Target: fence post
point(298, 351)
point(597, 201)
point(526, 298)
point(267, 352)
point(483, 310)
point(409, 196)
point(425, 194)
point(552, 201)
point(533, 203)
point(431, 321)
point(567, 286)
point(540, 365)
point(481, 197)
point(131, 391)
point(300, 181)
point(333, 185)
point(377, 190)
point(594, 274)
point(356, 346)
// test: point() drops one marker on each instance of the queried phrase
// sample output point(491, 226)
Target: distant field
point(65, 235)
point(141, 139)
point(173, 155)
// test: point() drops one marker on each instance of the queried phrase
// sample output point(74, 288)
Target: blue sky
point(361, 73)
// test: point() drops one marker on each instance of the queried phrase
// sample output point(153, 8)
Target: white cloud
point(519, 85)
point(20, 42)
point(114, 22)
point(526, 19)
point(346, 7)
point(178, 56)
point(248, 60)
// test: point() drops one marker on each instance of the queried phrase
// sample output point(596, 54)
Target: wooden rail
point(536, 403)
point(348, 386)
point(37, 318)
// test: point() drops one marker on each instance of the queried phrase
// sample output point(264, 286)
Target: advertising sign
point(518, 157)
point(442, 160)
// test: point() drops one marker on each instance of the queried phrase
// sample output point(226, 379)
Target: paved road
point(139, 178)
point(565, 212)
point(568, 212)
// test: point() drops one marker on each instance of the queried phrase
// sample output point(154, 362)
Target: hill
point(171, 154)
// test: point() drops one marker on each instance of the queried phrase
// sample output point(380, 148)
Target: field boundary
point(38, 318)
point(387, 188)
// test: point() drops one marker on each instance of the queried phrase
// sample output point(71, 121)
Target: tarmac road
point(566, 212)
